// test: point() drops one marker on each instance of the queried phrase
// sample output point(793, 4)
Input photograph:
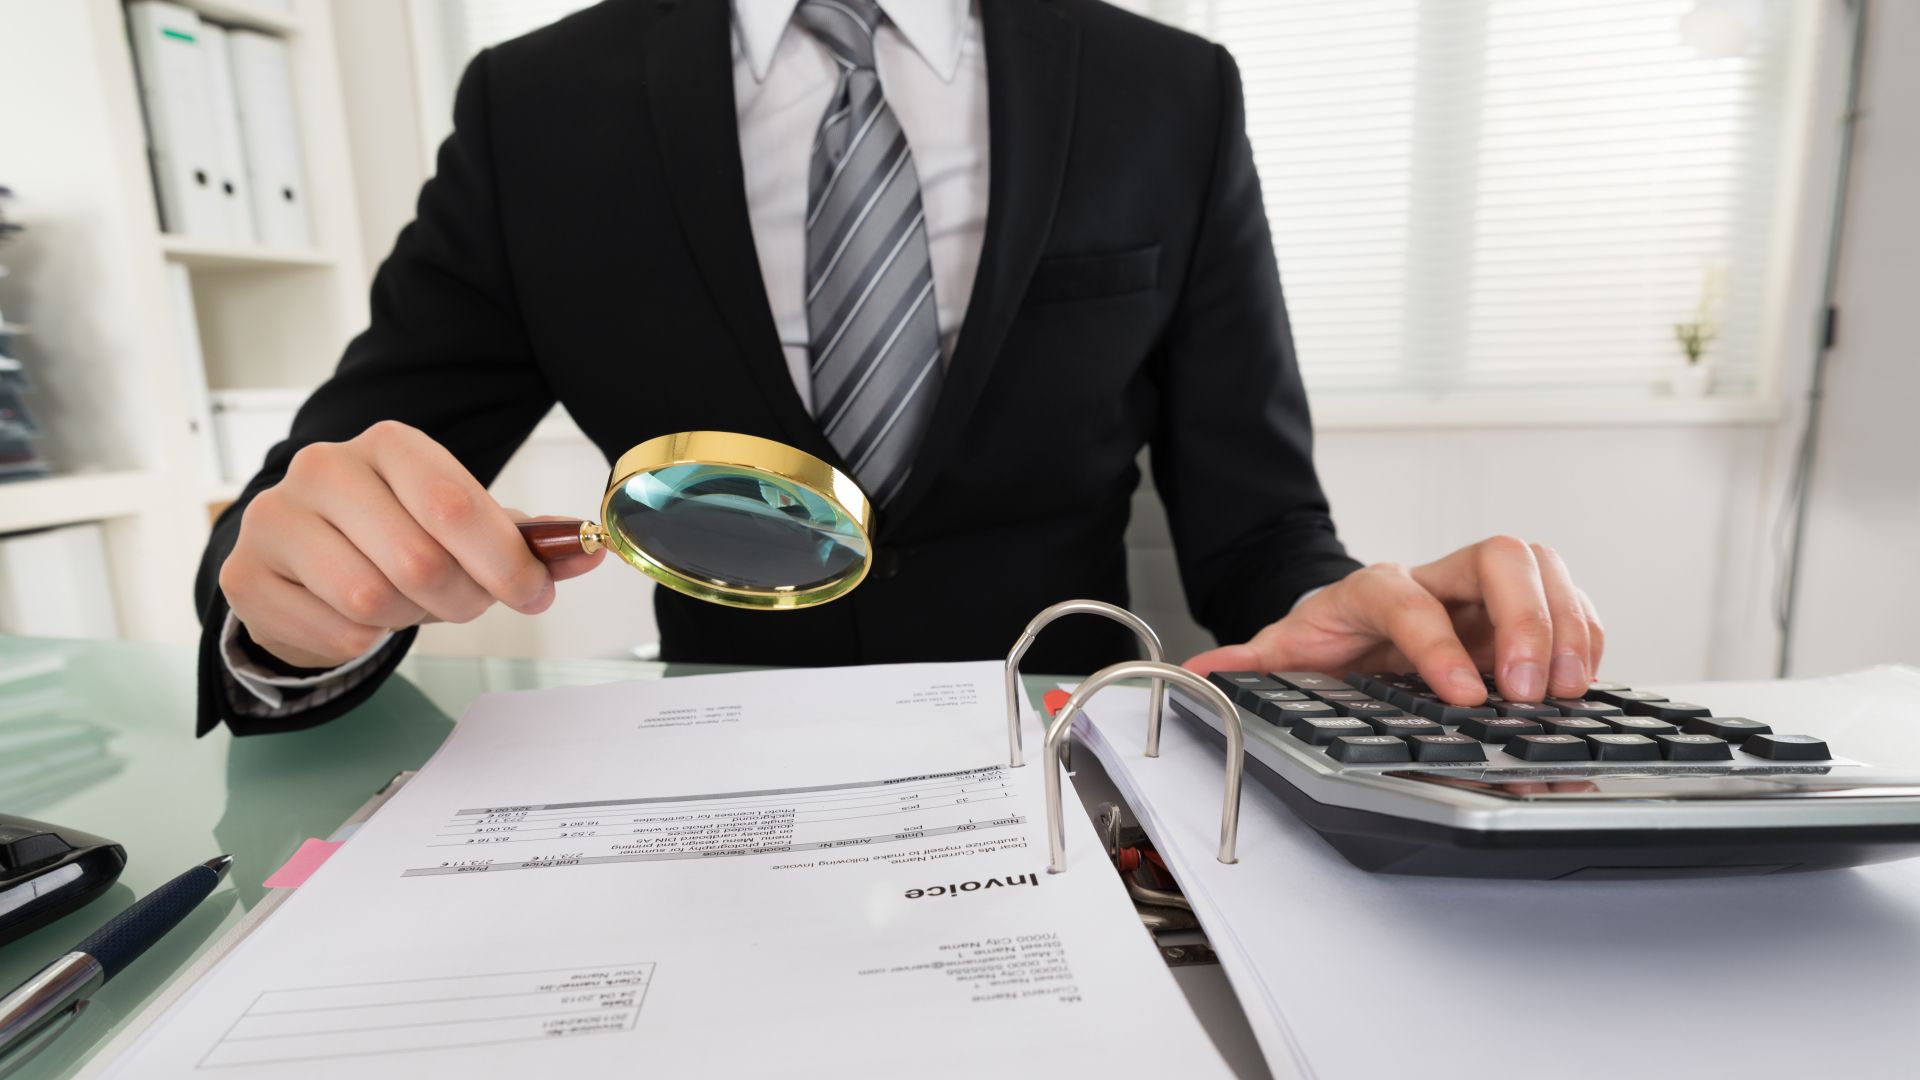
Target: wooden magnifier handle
point(551, 541)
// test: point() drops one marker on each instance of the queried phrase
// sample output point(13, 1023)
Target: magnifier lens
point(735, 527)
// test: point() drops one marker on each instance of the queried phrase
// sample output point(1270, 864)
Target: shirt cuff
point(272, 691)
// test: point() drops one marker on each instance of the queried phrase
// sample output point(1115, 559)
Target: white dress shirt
point(933, 69)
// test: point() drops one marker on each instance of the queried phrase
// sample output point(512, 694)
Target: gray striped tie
point(873, 335)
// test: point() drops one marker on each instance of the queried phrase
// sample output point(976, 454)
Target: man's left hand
point(1501, 605)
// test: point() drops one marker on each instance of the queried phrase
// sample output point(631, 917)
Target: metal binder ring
point(1016, 754)
point(1160, 673)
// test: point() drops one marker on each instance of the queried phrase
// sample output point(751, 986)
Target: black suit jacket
point(586, 241)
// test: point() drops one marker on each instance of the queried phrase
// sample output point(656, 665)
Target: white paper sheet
point(788, 873)
point(1372, 975)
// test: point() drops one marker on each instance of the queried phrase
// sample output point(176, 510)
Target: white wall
point(377, 86)
point(1649, 519)
point(1861, 578)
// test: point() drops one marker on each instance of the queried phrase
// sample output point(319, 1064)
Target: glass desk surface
point(126, 766)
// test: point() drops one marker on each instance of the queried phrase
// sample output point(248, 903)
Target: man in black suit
point(698, 215)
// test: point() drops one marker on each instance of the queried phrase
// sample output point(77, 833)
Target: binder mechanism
point(1203, 693)
point(1620, 783)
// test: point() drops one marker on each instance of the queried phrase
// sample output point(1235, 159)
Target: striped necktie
point(873, 336)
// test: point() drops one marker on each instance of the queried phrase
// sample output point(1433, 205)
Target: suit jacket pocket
point(1087, 277)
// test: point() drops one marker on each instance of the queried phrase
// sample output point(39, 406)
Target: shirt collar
point(935, 29)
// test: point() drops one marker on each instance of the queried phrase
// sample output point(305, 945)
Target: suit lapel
point(1032, 79)
point(690, 94)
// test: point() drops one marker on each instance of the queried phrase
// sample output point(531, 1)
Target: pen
point(41, 1007)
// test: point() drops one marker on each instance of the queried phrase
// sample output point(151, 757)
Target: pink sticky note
point(304, 862)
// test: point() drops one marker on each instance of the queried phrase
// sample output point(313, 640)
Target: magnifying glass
point(733, 519)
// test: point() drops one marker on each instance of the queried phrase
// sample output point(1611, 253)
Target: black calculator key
point(1341, 695)
point(1288, 713)
point(1321, 731)
point(1621, 697)
point(1597, 686)
point(1365, 708)
point(1434, 709)
point(1403, 696)
point(1583, 707)
point(1254, 700)
point(1388, 687)
point(1366, 684)
point(1240, 684)
point(1694, 747)
point(1276, 695)
point(1613, 746)
point(1547, 747)
point(1497, 729)
point(1786, 747)
point(1730, 728)
point(1573, 725)
point(1403, 725)
point(1674, 712)
point(1310, 680)
point(1532, 710)
point(1362, 749)
point(1446, 748)
point(1639, 725)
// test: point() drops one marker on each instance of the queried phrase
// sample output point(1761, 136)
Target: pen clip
point(36, 1042)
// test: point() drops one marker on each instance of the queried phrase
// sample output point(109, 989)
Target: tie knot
point(845, 27)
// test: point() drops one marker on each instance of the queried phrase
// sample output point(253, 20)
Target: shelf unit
point(90, 273)
point(66, 500)
point(274, 19)
point(199, 255)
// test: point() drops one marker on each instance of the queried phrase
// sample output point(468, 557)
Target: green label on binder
point(177, 36)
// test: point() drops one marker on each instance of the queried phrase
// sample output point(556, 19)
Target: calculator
point(1619, 783)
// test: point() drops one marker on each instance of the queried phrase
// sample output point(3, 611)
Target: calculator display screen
point(1666, 785)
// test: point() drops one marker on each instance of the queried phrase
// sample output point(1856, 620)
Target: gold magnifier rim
point(750, 452)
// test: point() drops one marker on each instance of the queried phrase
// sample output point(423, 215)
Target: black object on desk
point(47, 871)
point(41, 1007)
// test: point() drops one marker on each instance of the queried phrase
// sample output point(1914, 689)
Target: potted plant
point(1696, 377)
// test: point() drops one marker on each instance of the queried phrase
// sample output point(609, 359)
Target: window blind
point(1512, 196)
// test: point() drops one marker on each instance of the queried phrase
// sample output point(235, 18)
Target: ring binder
point(1016, 755)
point(1161, 673)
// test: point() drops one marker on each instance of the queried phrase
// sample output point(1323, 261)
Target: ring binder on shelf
point(1016, 756)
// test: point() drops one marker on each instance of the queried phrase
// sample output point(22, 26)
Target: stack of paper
point(785, 873)
point(1349, 974)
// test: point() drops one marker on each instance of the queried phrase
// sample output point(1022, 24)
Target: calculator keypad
point(1388, 718)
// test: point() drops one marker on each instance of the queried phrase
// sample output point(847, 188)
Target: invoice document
point(783, 873)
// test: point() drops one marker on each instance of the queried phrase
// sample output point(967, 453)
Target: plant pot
point(1692, 381)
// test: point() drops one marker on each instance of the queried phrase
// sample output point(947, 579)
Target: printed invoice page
point(781, 873)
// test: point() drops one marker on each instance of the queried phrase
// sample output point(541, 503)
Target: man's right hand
point(379, 533)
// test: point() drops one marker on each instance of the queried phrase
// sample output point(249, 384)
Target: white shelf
point(64, 500)
point(200, 255)
point(248, 13)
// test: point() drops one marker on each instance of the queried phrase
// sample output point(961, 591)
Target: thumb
point(1225, 658)
point(574, 565)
